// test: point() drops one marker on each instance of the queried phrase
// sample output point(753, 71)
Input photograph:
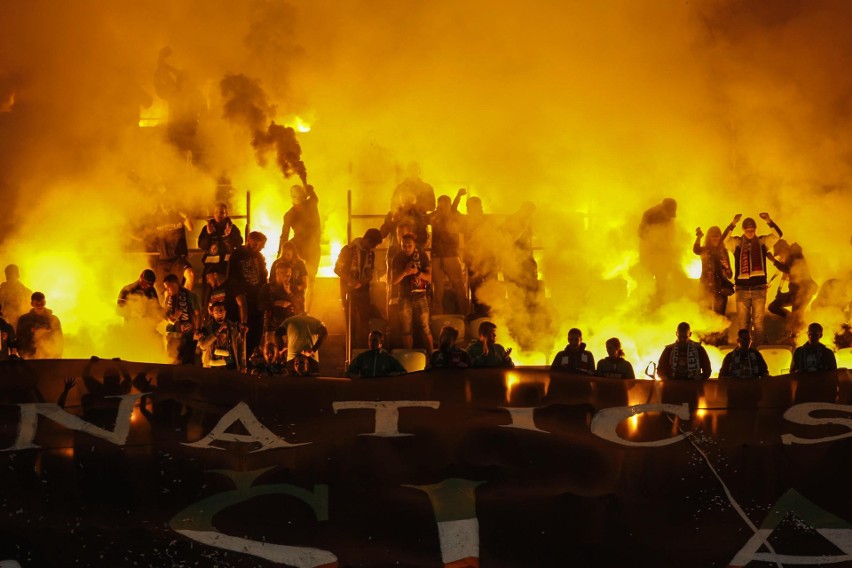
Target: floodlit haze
point(594, 111)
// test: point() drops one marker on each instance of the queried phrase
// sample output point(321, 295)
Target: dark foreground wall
point(475, 468)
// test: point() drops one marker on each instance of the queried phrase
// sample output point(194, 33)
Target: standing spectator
point(183, 312)
point(446, 265)
point(170, 227)
point(424, 194)
point(716, 270)
point(750, 270)
point(231, 293)
point(355, 266)
point(249, 267)
point(39, 331)
point(659, 255)
point(479, 257)
point(813, 356)
point(305, 335)
point(614, 365)
point(221, 341)
point(486, 352)
point(276, 299)
point(684, 359)
point(412, 273)
point(14, 296)
point(303, 218)
point(299, 275)
point(796, 277)
point(375, 362)
point(744, 362)
point(447, 354)
point(574, 358)
point(138, 300)
point(218, 239)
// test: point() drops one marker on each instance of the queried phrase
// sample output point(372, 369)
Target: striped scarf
point(751, 258)
point(693, 364)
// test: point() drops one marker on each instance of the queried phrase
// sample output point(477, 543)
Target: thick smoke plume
point(246, 103)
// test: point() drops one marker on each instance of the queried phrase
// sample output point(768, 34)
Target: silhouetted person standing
point(659, 254)
point(716, 270)
point(14, 296)
point(355, 266)
point(799, 285)
point(304, 221)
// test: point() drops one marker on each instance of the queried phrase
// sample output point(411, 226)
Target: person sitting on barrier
point(813, 356)
point(614, 365)
point(448, 355)
point(375, 362)
point(744, 362)
point(486, 352)
point(574, 358)
point(684, 360)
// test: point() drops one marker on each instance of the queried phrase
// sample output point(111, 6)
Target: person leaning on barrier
point(813, 356)
point(448, 355)
point(684, 360)
point(375, 362)
point(615, 366)
point(486, 352)
point(574, 358)
point(744, 362)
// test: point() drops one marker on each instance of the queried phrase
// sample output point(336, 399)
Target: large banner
point(108, 463)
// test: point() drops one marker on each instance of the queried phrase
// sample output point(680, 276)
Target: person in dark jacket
point(615, 366)
point(218, 239)
point(684, 360)
point(448, 355)
point(39, 331)
point(375, 362)
point(813, 356)
point(574, 358)
point(486, 352)
point(744, 362)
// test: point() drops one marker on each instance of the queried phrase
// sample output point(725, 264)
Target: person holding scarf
point(750, 271)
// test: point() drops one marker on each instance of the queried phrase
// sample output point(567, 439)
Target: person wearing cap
point(355, 266)
point(304, 221)
point(813, 356)
point(139, 300)
point(750, 261)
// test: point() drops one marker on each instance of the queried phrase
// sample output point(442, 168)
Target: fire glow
point(610, 121)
